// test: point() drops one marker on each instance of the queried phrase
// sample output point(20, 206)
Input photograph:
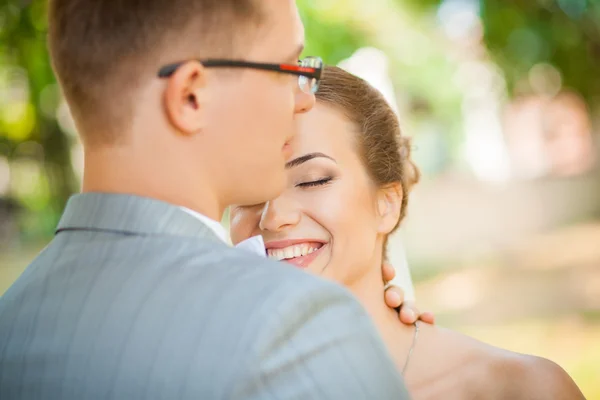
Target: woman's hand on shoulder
point(394, 298)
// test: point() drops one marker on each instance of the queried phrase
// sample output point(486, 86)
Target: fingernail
point(411, 314)
point(395, 297)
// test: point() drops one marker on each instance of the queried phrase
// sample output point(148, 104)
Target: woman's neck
point(370, 291)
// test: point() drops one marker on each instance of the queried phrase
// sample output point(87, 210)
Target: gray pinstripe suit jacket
point(136, 299)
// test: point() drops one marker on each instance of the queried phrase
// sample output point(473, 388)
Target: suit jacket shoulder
point(122, 305)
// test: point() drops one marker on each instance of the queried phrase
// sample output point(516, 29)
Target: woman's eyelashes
point(318, 182)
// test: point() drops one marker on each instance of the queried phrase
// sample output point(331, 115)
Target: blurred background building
point(502, 100)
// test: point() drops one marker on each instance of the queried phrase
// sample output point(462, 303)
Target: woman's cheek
point(330, 210)
point(327, 208)
point(242, 225)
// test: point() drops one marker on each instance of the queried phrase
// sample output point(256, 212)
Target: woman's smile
point(299, 252)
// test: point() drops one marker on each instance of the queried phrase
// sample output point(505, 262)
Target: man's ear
point(185, 98)
point(389, 205)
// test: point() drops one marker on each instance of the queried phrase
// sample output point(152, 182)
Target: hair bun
point(410, 171)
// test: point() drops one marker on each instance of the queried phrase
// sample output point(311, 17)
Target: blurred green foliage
point(38, 150)
point(520, 34)
point(562, 33)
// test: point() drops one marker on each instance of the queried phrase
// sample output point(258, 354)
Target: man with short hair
point(183, 108)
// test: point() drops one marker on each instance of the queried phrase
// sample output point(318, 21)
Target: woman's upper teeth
point(297, 250)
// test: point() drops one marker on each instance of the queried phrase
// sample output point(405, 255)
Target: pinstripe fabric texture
point(136, 299)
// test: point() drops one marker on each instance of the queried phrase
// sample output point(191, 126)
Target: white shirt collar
point(255, 244)
point(214, 226)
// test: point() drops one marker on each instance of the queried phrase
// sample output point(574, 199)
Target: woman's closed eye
point(317, 182)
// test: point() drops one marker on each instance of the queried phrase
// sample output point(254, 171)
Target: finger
point(394, 296)
point(428, 318)
point(409, 313)
point(388, 271)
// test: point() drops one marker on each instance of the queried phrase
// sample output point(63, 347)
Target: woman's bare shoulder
point(468, 368)
point(450, 365)
point(530, 377)
point(500, 373)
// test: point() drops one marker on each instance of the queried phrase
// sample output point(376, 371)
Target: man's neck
point(120, 172)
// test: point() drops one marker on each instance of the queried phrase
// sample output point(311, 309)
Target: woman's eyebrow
point(302, 159)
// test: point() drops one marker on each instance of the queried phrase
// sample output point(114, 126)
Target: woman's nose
point(278, 215)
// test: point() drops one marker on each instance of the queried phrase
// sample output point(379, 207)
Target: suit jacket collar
point(129, 214)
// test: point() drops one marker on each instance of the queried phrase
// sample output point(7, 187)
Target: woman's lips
point(299, 252)
point(304, 261)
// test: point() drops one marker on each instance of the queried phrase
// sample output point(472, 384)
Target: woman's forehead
point(323, 129)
